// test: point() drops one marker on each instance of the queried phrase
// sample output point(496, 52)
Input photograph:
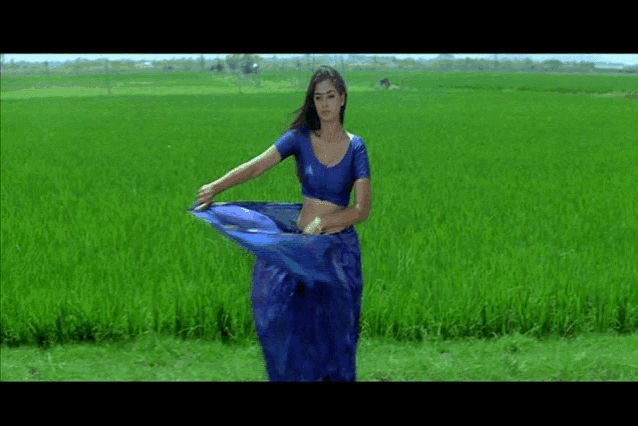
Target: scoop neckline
point(350, 137)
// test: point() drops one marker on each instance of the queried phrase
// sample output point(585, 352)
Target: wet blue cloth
point(306, 289)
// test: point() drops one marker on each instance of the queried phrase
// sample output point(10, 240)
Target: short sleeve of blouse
point(288, 144)
point(361, 165)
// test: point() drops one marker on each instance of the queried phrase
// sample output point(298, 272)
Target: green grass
point(157, 84)
point(14, 87)
point(493, 212)
point(508, 358)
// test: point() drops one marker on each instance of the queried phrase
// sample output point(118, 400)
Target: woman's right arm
point(250, 170)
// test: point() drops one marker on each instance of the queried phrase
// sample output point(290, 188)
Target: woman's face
point(327, 101)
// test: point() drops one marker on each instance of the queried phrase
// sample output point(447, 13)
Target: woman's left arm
point(351, 215)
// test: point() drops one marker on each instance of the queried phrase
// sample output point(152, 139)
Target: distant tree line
point(526, 65)
point(249, 64)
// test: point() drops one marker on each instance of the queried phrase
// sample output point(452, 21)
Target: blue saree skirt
point(306, 289)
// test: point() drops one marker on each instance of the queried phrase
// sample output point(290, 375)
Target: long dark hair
point(307, 114)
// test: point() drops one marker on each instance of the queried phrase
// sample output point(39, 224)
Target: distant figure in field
point(385, 82)
point(251, 68)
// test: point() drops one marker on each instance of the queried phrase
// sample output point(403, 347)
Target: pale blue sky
point(625, 59)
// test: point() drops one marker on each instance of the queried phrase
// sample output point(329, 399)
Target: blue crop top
point(332, 184)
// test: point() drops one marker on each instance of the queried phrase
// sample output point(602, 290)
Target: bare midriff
point(313, 208)
point(328, 154)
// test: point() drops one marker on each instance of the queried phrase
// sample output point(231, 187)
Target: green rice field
point(501, 203)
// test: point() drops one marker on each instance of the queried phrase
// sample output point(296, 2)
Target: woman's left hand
point(313, 227)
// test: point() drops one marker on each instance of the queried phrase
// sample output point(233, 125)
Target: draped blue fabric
point(306, 289)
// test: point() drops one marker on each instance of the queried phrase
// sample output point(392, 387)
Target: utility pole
point(108, 76)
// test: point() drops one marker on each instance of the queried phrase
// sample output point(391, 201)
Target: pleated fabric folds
point(305, 290)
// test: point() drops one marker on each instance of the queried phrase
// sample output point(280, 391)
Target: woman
point(306, 289)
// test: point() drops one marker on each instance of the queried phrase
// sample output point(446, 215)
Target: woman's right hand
point(206, 193)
